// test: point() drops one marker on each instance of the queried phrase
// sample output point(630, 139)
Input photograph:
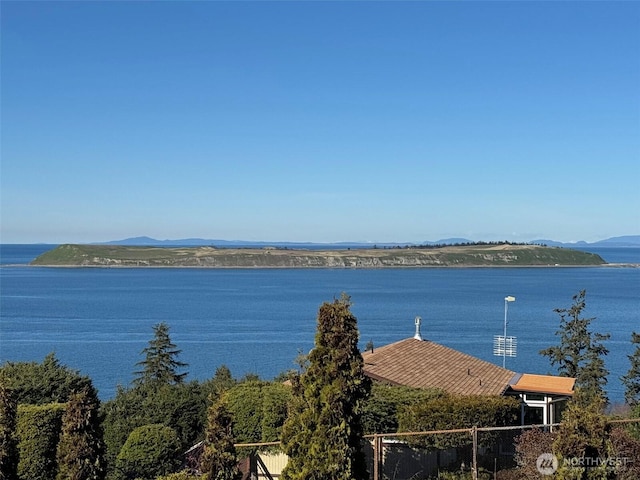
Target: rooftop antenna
point(417, 335)
point(502, 345)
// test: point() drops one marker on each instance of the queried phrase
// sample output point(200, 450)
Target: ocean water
point(98, 320)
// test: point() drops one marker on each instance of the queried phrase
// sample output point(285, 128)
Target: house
point(421, 363)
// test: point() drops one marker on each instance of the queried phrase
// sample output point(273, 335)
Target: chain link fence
point(467, 453)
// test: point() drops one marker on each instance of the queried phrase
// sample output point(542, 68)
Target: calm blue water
point(255, 321)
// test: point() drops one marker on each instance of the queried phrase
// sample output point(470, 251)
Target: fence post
point(377, 454)
point(474, 436)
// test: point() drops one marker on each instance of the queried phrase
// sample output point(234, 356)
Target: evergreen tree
point(631, 380)
point(160, 364)
point(8, 440)
point(323, 432)
point(41, 383)
point(580, 353)
point(219, 455)
point(222, 381)
point(182, 407)
point(81, 448)
point(38, 433)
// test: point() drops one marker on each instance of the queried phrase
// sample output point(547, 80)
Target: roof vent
point(417, 335)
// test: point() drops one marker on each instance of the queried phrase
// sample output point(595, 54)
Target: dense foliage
point(624, 446)
point(323, 433)
point(585, 445)
point(41, 383)
point(457, 411)
point(259, 410)
point(631, 380)
point(38, 432)
point(580, 352)
point(221, 382)
point(381, 409)
point(159, 395)
point(150, 451)
point(160, 364)
point(219, 455)
point(529, 446)
point(320, 418)
point(179, 406)
point(81, 448)
point(583, 433)
point(181, 475)
point(8, 440)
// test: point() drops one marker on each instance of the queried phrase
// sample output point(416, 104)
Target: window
point(533, 415)
point(536, 397)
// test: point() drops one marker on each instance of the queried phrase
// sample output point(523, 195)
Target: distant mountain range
point(624, 241)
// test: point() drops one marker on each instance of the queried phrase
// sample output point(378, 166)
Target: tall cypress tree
point(631, 380)
point(580, 352)
point(81, 448)
point(8, 440)
point(219, 455)
point(323, 433)
point(160, 364)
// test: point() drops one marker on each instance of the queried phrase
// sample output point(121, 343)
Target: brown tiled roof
point(425, 364)
point(544, 384)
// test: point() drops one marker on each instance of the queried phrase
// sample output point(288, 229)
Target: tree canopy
point(219, 455)
point(580, 352)
point(41, 383)
point(323, 432)
point(8, 440)
point(181, 407)
point(160, 364)
point(631, 380)
point(81, 447)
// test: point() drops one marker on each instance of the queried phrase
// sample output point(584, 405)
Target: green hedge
point(38, 432)
point(381, 409)
point(150, 451)
point(455, 412)
point(259, 409)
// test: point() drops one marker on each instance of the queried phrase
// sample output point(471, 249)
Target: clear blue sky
point(320, 121)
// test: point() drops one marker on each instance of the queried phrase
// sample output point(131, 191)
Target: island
point(472, 255)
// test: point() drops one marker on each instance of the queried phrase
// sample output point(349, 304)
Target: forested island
point(463, 255)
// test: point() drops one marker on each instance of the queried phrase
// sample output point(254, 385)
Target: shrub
point(38, 432)
point(275, 397)
point(181, 475)
point(380, 413)
point(219, 459)
point(150, 451)
point(181, 407)
point(626, 449)
point(457, 411)
point(244, 402)
point(81, 448)
point(8, 442)
point(259, 409)
point(529, 446)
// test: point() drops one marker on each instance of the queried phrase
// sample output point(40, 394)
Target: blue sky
point(320, 121)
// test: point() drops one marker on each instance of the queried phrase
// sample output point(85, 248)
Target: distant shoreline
point(207, 267)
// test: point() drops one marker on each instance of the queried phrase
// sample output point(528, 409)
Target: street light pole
point(504, 352)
